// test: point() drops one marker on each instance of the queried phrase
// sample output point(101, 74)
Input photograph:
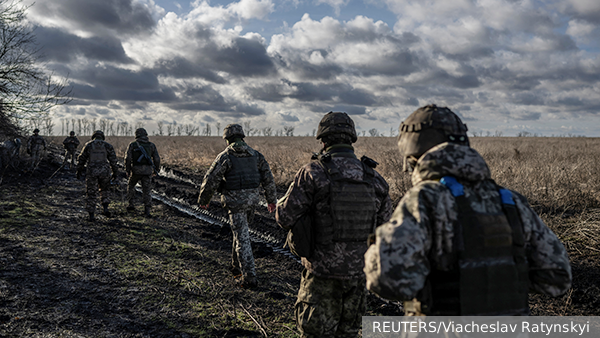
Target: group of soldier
point(456, 244)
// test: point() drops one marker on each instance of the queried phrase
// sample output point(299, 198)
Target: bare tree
point(103, 125)
point(190, 129)
point(170, 129)
point(48, 126)
point(373, 132)
point(28, 91)
point(79, 127)
point(93, 124)
point(288, 130)
point(86, 126)
point(160, 125)
point(218, 127)
point(206, 131)
point(179, 129)
point(267, 131)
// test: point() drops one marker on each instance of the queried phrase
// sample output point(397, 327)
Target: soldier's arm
point(213, 178)
point(127, 158)
point(385, 208)
point(83, 158)
point(76, 142)
point(266, 179)
point(297, 200)
point(397, 265)
point(155, 157)
point(112, 157)
point(549, 266)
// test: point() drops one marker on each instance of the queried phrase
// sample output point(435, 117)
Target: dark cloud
point(123, 16)
point(119, 78)
point(63, 47)
point(244, 57)
point(527, 116)
point(182, 68)
point(305, 91)
point(289, 117)
point(528, 98)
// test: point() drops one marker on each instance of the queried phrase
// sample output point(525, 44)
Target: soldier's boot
point(147, 212)
point(91, 217)
point(249, 282)
point(236, 271)
point(105, 212)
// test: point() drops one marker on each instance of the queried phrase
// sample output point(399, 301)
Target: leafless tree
point(218, 126)
point(160, 125)
point(27, 89)
point(93, 125)
point(373, 132)
point(179, 129)
point(190, 129)
point(170, 129)
point(288, 130)
point(48, 126)
point(267, 131)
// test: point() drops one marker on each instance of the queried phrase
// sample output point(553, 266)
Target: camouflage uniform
point(70, 144)
point(420, 237)
point(331, 298)
point(139, 168)
point(35, 145)
point(9, 151)
point(240, 203)
point(98, 173)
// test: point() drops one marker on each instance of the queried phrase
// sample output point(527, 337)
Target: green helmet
point(36, 130)
point(336, 123)
point(427, 127)
point(98, 134)
point(233, 130)
point(140, 132)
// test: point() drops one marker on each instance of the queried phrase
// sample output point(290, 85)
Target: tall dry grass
point(555, 174)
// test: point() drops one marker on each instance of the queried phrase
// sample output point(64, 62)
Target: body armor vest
point(491, 271)
point(97, 152)
point(138, 155)
point(243, 174)
point(352, 203)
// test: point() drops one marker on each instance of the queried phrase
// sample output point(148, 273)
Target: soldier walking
point(100, 158)
point(9, 152)
point(35, 145)
point(459, 244)
point(70, 144)
point(347, 199)
point(141, 162)
point(237, 173)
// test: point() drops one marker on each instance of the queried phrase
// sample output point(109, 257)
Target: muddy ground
point(168, 276)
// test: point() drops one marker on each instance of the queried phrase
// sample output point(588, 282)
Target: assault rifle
point(145, 154)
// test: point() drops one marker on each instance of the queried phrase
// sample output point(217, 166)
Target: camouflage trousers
point(146, 181)
point(241, 255)
point(93, 184)
point(328, 307)
point(36, 156)
point(70, 155)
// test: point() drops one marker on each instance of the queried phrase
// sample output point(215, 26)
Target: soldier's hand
point(271, 207)
point(205, 207)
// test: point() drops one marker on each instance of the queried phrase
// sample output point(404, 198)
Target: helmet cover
point(336, 123)
point(232, 130)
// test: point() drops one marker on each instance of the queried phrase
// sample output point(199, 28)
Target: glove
point(271, 207)
point(205, 207)
point(79, 173)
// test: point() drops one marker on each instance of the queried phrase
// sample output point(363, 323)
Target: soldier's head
point(140, 132)
point(427, 127)
point(98, 134)
point(336, 128)
point(36, 131)
point(72, 133)
point(233, 131)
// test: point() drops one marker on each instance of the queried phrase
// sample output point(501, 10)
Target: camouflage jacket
point(141, 169)
point(35, 142)
point(336, 260)
point(237, 200)
point(421, 228)
point(71, 143)
point(100, 169)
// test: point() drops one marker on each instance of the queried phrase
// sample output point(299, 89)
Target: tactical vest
point(491, 270)
point(97, 152)
point(243, 174)
point(352, 203)
point(138, 156)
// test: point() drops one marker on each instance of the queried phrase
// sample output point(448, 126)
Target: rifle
point(145, 154)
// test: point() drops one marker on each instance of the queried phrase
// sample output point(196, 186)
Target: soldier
point(347, 199)
point(457, 243)
point(141, 162)
point(34, 148)
point(70, 144)
point(100, 158)
point(9, 152)
point(237, 173)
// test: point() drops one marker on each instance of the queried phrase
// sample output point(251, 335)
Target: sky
point(502, 65)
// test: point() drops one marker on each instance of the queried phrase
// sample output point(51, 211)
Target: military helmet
point(233, 130)
point(72, 133)
point(429, 126)
point(36, 130)
point(336, 123)
point(98, 134)
point(140, 132)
